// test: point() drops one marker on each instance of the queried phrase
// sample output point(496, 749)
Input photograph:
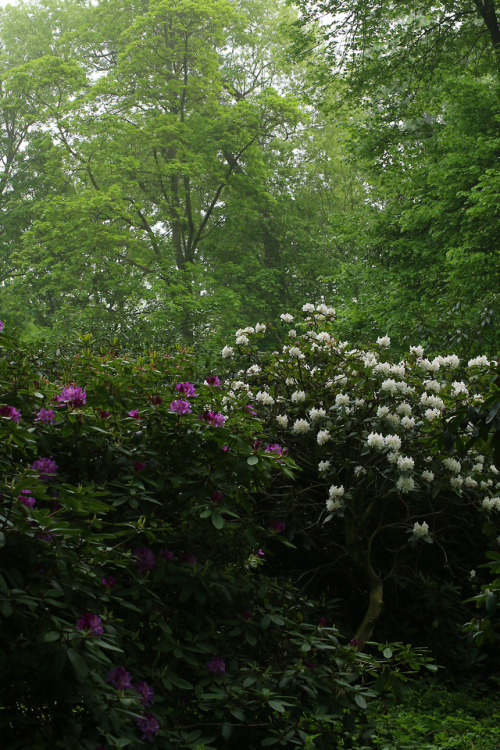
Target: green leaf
point(387, 652)
point(359, 699)
point(79, 665)
point(277, 706)
point(252, 460)
point(217, 520)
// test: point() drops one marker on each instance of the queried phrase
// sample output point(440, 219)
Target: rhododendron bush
point(136, 598)
point(395, 491)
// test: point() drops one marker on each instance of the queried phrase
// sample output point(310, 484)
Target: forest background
point(171, 186)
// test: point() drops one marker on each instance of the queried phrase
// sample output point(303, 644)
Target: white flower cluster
point(491, 503)
point(420, 529)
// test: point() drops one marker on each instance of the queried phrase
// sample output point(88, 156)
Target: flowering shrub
point(135, 593)
point(391, 480)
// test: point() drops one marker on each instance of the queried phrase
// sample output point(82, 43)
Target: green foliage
point(434, 717)
point(136, 542)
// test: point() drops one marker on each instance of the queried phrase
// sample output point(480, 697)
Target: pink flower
point(109, 582)
point(134, 413)
point(181, 407)
point(1, 325)
point(146, 692)
point(145, 559)
point(46, 416)
point(26, 499)
point(91, 623)
point(119, 678)
point(10, 412)
point(213, 380)
point(213, 418)
point(216, 665)
point(46, 467)
point(148, 726)
point(278, 526)
point(72, 395)
point(186, 389)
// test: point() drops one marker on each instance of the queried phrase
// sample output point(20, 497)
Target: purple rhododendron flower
point(1, 325)
point(72, 395)
point(216, 497)
point(278, 526)
point(213, 418)
point(181, 406)
point(119, 678)
point(250, 408)
point(216, 665)
point(46, 416)
point(46, 468)
point(10, 412)
point(148, 726)
point(145, 558)
point(213, 380)
point(322, 622)
point(274, 448)
point(109, 582)
point(246, 615)
point(155, 400)
point(146, 692)
point(187, 389)
point(91, 623)
point(104, 414)
point(134, 413)
point(166, 554)
point(139, 466)
point(26, 498)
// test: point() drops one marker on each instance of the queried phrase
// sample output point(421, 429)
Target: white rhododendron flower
point(294, 351)
point(228, 351)
point(428, 476)
point(404, 409)
point(342, 399)
point(393, 442)
point(316, 413)
point(335, 491)
point(491, 503)
point(323, 465)
point(479, 362)
point(408, 423)
point(264, 398)
point(286, 317)
point(405, 463)
point(323, 437)
point(452, 464)
point(405, 484)
point(418, 351)
point(375, 440)
point(282, 420)
point(420, 529)
point(300, 426)
point(253, 370)
point(382, 411)
point(384, 341)
point(332, 505)
point(260, 328)
point(308, 307)
point(459, 387)
point(431, 414)
point(298, 397)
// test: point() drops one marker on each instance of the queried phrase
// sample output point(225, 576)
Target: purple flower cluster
point(72, 395)
point(109, 582)
point(278, 526)
point(45, 416)
point(213, 381)
point(10, 412)
point(27, 499)
point(134, 413)
point(216, 665)
point(1, 325)
point(275, 449)
point(166, 554)
point(46, 468)
point(91, 623)
point(145, 559)
point(187, 390)
point(119, 678)
point(148, 726)
point(181, 406)
point(214, 418)
point(122, 680)
point(146, 692)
